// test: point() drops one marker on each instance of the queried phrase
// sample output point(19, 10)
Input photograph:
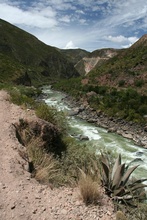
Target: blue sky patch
point(85, 24)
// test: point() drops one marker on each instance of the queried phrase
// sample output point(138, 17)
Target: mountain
point(113, 67)
point(95, 59)
point(24, 59)
point(115, 84)
point(74, 55)
point(126, 69)
point(85, 61)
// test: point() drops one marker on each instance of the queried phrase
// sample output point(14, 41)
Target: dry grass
point(120, 216)
point(90, 190)
point(46, 166)
point(48, 170)
point(35, 151)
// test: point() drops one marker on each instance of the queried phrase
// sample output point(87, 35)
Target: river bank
point(22, 197)
point(129, 130)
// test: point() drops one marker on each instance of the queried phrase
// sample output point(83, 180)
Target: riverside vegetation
point(117, 88)
point(76, 165)
point(126, 104)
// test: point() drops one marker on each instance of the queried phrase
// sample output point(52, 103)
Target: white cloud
point(91, 24)
point(66, 19)
point(44, 18)
point(132, 39)
point(80, 11)
point(70, 45)
point(118, 39)
point(83, 21)
point(128, 41)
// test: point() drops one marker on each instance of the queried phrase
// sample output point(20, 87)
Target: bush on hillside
point(53, 116)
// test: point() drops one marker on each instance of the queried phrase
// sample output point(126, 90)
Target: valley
point(102, 96)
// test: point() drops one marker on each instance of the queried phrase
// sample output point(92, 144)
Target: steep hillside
point(85, 61)
point(21, 52)
point(117, 85)
point(74, 55)
point(95, 59)
point(127, 69)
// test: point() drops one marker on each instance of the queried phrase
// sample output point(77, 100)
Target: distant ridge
point(21, 52)
point(126, 69)
point(141, 41)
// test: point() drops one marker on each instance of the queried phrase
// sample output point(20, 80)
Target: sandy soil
point(22, 197)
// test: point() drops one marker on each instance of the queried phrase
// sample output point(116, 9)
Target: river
point(99, 138)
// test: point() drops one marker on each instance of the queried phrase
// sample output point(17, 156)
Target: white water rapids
point(99, 138)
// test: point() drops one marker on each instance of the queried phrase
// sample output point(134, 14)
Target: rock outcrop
point(47, 133)
point(94, 59)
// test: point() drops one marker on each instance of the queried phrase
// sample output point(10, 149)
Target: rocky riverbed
point(130, 130)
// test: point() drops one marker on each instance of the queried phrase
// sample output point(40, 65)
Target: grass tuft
point(46, 167)
point(120, 216)
point(90, 190)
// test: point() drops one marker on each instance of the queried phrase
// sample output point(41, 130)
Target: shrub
point(19, 97)
point(139, 83)
point(143, 109)
point(134, 213)
point(139, 213)
point(60, 169)
point(102, 90)
point(53, 116)
point(89, 189)
point(46, 113)
point(78, 156)
point(116, 181)
point(121, 82)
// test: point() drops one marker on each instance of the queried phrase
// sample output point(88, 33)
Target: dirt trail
point(22, 197)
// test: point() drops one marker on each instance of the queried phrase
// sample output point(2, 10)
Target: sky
point(85, 24)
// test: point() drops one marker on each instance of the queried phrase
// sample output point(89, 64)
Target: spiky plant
point(116, 181)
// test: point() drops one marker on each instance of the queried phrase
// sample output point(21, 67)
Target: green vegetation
point(116, 182)
point(131, 213)
point(71, 86)
point(119, 84)
point(51, 114)
point(139, 83)
point(76, 163)
point(117, 88)
point(49, 165)
point(74, 55)
point(22, 95)
point(21, 52)
point(73, 157)
point(77, 156)
point(125, 103)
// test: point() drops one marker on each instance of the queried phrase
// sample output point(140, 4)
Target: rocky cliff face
point(94, 59)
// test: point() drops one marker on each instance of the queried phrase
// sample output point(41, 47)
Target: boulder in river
point(83, 137)
point(74, 112)
point(139, 153)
